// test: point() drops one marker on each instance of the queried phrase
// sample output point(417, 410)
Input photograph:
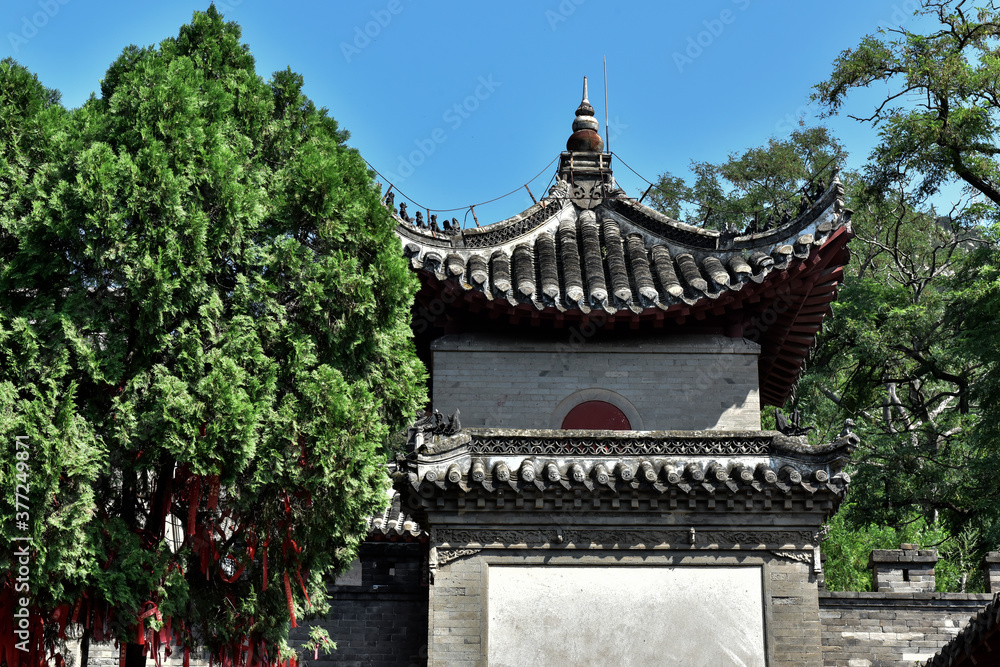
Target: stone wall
point(903, 621)
point(106, 654)
point(680, 383)
point(879, 629)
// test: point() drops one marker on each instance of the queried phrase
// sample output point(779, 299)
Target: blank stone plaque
point(625, 615)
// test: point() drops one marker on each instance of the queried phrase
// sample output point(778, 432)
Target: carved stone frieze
point(799, 556)
point(530, 445)
point(589, 194)
point(619, 538)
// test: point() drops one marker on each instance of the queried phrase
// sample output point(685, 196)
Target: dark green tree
point(889, 359)
point(920, 347)
point(204, 332)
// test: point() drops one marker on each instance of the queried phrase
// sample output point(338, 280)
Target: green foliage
point(951, 131)
point(911, 351)
point(198, 283)
point(758, 183)
point(848, 545)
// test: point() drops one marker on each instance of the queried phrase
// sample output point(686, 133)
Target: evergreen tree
point(204, 329)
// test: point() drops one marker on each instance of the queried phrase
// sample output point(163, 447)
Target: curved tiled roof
point(603, 258)
point(394, 524)
point(616, 256)
point(700, 467)
point(589, 254)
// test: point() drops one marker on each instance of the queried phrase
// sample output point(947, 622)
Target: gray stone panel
point(461, 599)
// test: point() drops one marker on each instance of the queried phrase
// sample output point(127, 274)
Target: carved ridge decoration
point(799, 556)
point(509, 445)
point(620, 538)
point(512, 231)
point(445, 556)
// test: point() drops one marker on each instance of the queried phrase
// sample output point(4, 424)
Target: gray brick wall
point(680, 383)
point(795, 628)
point(456, 627)
point(891, 629)
point(904, 570)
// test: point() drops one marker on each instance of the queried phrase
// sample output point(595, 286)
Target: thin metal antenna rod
point(607, 136)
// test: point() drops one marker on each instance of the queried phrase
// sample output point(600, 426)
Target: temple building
point(592, 485)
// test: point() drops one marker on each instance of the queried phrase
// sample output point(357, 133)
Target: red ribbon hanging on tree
point(298, 573)
point(288, 595)
point(264, 559)
point(140, 632)
point(213, 492)
point(236, 572)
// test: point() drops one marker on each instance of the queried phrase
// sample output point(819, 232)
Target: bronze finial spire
point(585, 137)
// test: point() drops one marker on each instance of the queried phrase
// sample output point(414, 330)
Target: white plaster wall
point(653, 615)
point(678, 383)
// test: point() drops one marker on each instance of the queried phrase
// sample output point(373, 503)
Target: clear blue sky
point(463, 102)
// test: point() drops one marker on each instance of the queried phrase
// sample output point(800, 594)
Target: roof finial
point(585, 136)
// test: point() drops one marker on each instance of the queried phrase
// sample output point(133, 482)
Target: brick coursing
point(383, 621)
point(881, 629)
point(711, 385)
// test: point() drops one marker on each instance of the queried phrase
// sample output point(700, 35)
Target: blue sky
point(459, 103)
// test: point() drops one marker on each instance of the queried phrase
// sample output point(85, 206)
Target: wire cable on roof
point(460, 208)
point(471, 207)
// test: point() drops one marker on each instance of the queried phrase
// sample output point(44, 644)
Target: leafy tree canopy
point(912, 348)
point(760, 184)
point(204, 331)
point(940, 118)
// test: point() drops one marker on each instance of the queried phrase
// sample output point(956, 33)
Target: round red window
point(597, 415)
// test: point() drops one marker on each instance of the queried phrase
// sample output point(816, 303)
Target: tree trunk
point(85, 648)
point(135, 655)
